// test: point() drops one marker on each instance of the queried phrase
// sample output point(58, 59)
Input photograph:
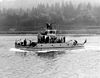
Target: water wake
point(92, 47)
point(88, 48)
point(18, 50)
point(22, 52)
point(42, 51)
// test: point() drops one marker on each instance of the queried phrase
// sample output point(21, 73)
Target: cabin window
point(52, 32)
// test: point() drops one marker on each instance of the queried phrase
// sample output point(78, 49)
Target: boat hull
point(49, 46)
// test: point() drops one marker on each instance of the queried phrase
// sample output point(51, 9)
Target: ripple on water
point(80, 63)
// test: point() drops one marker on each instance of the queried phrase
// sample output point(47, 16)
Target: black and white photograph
point(49, 39)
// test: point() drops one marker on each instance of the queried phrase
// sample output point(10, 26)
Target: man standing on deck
point(25, 42)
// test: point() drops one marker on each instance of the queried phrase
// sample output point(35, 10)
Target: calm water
point(76, 63)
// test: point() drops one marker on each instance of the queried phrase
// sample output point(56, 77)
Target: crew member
point(25, 42)
point(75, 42)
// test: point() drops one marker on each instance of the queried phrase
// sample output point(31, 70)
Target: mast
point(49, 26)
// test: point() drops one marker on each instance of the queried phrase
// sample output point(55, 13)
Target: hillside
point(64, 16)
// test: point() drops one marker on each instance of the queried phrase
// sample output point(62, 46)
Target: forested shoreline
point(64, 16)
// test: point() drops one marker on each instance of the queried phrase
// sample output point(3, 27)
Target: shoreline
point(82, 32)
point(57, 34)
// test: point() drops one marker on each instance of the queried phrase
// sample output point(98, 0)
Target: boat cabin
point(50, 36)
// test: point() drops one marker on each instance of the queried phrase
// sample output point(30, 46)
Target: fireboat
point(48, 40)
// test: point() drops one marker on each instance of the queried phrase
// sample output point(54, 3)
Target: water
point(75, 63)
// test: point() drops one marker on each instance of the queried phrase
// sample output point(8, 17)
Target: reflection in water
point(45, 62)
point(51, 54)
point(24, 54)
point(43, 53)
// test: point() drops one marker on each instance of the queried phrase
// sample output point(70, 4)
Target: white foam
point(18, 50)
point(44, 51)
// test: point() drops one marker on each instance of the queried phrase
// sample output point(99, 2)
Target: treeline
point(65, 16)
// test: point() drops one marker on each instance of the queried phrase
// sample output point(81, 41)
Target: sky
point(30, 3)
